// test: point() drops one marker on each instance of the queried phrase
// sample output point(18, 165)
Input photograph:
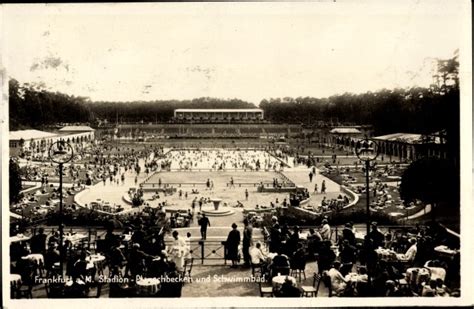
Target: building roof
point(219, 110)
point(29, 134)
point(409, 138)
point(76, 129)
point(345, 131)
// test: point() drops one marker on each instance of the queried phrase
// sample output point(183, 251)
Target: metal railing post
point(202, 251)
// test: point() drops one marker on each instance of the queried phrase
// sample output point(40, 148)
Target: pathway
point(420, 213)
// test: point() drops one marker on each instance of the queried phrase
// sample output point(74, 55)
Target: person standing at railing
point(178, 250)
point(204, 223)
point(247, 241)
point(188, 253)
point(232, 246)
point(376, 236)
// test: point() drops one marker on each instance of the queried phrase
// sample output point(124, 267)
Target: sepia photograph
point(195, 154)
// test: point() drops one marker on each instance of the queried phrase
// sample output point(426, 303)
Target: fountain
point(216, 202)
point(217, 210)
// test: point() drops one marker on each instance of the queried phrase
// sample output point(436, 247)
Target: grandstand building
point(218, 115)
point(210, 123)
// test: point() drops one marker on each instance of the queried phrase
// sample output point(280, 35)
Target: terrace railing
point(209, 252)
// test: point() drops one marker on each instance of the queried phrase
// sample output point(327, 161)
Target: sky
point(250, 51)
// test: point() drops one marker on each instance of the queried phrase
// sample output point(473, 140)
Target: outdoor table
point(148, 286)
point(437, 273)
point(359, 236)
point(95, 260)
point(445, 250)
point(278, 281)
point(386, 255)
point(303, 236)
point(422, 274)
point(354, 278)
point(19, 237)
point(70, 282)
point(36, 258)
point(15, 281)
point(75, 237)
point(402, 258)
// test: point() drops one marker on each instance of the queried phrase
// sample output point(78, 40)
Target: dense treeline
point(35, 108)
point(158, 111)
point(416, 110)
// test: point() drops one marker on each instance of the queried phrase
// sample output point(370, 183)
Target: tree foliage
point(15, 181)
point(32, 107)
point(416, 110)
point(433, 181)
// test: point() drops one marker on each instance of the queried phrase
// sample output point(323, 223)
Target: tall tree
point(432, 181)
point(15, 181)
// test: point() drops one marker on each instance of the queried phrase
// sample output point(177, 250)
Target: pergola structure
point(213, 115)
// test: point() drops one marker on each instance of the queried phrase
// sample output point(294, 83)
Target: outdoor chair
point(25, 291)
point(327, 282)
point(91, 242)
point(312, 291)
point(280, 270)
point(298, 268)
point(403, 284)
point(54, 290)
point(101, 245)
point(265, 291)
point(364, 289)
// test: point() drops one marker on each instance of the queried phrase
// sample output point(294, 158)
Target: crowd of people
point(379, 264)
point(218, 160)
point(338, 256)
point(334, 204)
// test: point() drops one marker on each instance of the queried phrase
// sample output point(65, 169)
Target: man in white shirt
point(178, 250)
point(256, 254)
point(338, 282)
point(325, 230)
point(411, 252)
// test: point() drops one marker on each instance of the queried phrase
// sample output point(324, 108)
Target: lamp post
point(61, 152)
point(366, 150)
